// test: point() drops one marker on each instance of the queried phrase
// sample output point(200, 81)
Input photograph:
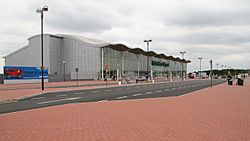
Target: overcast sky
point(212, 29)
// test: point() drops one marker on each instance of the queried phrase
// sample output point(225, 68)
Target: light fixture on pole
point(147, 41)
point(40, 11)
point(200, 58)
point(222, 66)
point(217, 65)
point(182, 53)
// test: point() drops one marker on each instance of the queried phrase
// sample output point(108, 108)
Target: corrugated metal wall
point(81, 55)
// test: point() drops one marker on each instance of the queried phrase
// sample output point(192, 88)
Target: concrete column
point(122, 63)
point(138, 69)
point(117, 74)
point(102, 63)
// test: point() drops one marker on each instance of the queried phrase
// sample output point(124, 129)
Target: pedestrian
point(229, 79)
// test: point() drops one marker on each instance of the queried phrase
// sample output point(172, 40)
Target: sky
point(212, 29)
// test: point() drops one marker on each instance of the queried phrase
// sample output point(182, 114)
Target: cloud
point(213, 29)
point(214, 37)
point(209, 13)
point(84, 16)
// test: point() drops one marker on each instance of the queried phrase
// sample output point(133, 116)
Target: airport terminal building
point(74, 57)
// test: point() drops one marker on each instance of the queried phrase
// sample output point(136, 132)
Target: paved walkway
point(218, 114)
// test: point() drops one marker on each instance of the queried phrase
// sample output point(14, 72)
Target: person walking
point(229, 79)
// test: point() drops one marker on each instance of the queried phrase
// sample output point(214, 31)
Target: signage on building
point(157, 63)
point(22, 73)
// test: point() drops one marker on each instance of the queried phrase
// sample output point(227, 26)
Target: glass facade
point(133, 65)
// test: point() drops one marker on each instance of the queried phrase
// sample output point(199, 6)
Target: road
point(140, 91)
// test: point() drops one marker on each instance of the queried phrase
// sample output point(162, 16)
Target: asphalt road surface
point(140, 91)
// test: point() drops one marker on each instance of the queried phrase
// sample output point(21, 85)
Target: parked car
point(143, 78)
point(13, 73)
point(191, 75)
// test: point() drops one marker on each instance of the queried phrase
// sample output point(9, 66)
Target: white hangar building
point(94, 59)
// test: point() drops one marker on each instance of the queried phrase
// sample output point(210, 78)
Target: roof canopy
point(121, 47)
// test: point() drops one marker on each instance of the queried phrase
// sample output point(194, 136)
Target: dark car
point(13, 73)
point(191, 75)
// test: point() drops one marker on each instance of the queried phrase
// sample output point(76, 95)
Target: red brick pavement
point(218, 114)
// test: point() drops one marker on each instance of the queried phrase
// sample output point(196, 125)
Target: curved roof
point(151, 53)
point(84, 39)
point(76, 37)
point(136, 51)
point(121, 47)
point(118, 47)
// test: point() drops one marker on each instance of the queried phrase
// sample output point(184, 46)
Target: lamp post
point(147, 41)
point(64, 78)
point(211, 72)
point(222, 67)
point(182, 53)
point(217, 65)
point(200, 65)
point(41, 10)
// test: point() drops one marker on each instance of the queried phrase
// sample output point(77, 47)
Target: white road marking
point(136, 94)
point(173, 88)
point(35, 98)
point(159, 91)
point(61, 95)
point(95, 91)
point(103, 100)
point(148, 93)
point(58, 100)
point(166, 89)
point(81, 93)
point(121, 97)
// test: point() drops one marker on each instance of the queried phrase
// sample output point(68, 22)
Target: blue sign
point(16, 72)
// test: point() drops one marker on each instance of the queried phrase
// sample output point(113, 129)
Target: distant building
point(94, 59)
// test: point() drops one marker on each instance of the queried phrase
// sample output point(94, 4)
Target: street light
point(147, 41)
point(182, 53)
point(211, 72)
point(41, 10)
point(222, 66)
point(64, 78)
point(217, 65)
point(200, 65)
